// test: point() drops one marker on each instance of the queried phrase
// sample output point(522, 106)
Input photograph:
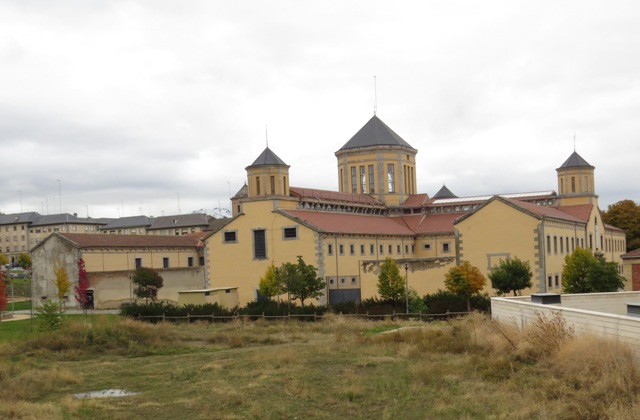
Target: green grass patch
point(380, 329)
point(13, 330)
point(23, 305)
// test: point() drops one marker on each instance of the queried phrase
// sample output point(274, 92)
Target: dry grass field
point(337, 368)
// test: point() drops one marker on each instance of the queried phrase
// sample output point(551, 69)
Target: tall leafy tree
point(80, 289)
point(148, 282)
point(512, 275)
point(465, 280)
point(301, 280)
point(584, 272)
point(390, 282)
point(3, 259)
point(625, 215)
point(62, 283)
point(270, 284)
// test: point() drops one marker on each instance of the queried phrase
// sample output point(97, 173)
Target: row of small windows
point(389, 249)
point(563, 243)
point(15, 248)
point(166, 262)
point(343, 281)
point(363, 179)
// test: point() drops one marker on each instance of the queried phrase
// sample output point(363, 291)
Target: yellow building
point(377, 213)
point(110, 261)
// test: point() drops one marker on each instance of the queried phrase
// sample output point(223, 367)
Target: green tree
point(512, 275)
point(390, 282)
point(464, 280)
point(270, 284)
point(3, 293)
point(583, 272)
point(148, 282)
point(63, 285)
point(625, 215)
point(301, 280)
point(3, 259)
point(24, 260)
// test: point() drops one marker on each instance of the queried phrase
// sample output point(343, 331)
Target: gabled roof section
point(375, 133)
point(128, 222)
point(179, 221)
point(431, 223)
point(348, 223)
point(581, 211)
point(533, 210)
point(416, 200)
point(325, 195)
point(66, 218)
point(575, 161)
point(631, 254)
point(87, 240)
point(16, 218)
point(444, 192)
point(268, 158)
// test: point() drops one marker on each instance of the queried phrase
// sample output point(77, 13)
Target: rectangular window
point(165, 262)
point(555, 244)
point(201, 261)
point(372, 249)
point(190, 261)
point(391, 178)
point(272, 180)
point(257, 185)
point(353, 280)
point(341, 249)
point(259, 244)
point(427, 246)
point(567, 247)
point(549, 281)
point(372, 188)
point(138, 262)
point(573, 184)
point(406, 249)
point(445, 247)
point(381, 249)
point(548, 244)
point(557, 278)
point(354, 180)
point(352, 249)
point(362, 249)
point(230, 236)
point(290, 233)
point(390, 249)
point(330, 249)
point(399, 249)
point(363, 181)
point(561, 246)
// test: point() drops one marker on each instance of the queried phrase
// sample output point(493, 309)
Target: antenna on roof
point(375, 94)
point(574, 141)
point(266, 135)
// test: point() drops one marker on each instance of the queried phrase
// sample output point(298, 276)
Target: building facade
point(377, 213)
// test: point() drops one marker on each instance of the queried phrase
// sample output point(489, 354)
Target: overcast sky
point(118, 108)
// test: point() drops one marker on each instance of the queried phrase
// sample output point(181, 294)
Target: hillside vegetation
point(337, 368)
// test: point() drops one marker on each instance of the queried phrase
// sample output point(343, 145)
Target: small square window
point(427, 246)
point(290, 233)
point(230, 236)
point(445, 247)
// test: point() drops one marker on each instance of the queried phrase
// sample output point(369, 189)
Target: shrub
point(269, 307)
point(50, 316)
point(443, 301)
point(158, 309)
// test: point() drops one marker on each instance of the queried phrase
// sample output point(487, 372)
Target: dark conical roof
point(267, 157)
point(574, 161)
point(375, 133)
point(444, 192)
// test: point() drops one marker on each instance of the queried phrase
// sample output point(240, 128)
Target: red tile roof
point(545, 211)
point(349, 223)
point(333, 196)
point(581, 211)
point(132, 241)
point(632, 254)
point(416, 200)
point(432, 223)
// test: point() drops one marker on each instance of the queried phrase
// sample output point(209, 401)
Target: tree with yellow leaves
point(465, 280)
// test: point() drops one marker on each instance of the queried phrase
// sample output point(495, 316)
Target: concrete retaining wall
point(614, 326)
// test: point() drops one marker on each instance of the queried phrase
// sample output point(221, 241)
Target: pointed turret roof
point(574, 161)
point(267, 157)
point(375, 133)
point(445, 192)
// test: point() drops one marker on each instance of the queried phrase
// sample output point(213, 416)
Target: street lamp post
point(406, 285)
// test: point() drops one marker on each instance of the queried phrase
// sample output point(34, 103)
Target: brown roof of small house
point(581, 211)
point(631, 254)
point(432, 223)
